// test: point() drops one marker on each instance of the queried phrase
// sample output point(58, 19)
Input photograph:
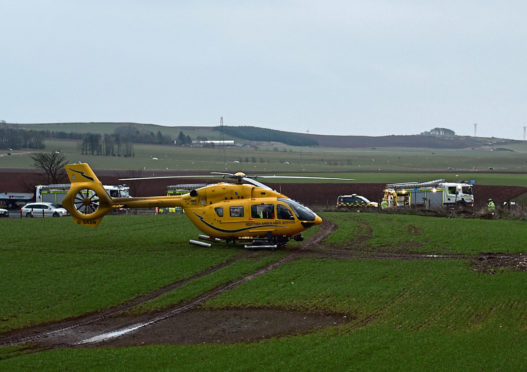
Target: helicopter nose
point(318, 220)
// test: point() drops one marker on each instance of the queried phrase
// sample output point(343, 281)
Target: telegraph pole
point(223, 142)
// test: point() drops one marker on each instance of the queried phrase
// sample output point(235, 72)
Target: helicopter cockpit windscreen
point(302, 212)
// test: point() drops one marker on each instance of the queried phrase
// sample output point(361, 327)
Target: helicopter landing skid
point(261, 246)
point(208, 238)
point(198, 243)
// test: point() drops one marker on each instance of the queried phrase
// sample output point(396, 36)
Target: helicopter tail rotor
point(87, 201)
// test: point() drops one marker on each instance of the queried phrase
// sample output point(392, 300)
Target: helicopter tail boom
point(88, 202)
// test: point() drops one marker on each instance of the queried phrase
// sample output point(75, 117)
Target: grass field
point(52, 269)
point(364, 165)
point(404, 314)
point(393, 232)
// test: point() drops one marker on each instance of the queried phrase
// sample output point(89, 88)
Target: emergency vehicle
point(180, 189)
point(12, 200)
point(56, 192)
point(430, 195)
point(354, 201)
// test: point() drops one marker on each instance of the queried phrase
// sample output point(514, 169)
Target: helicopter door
point(265, 211)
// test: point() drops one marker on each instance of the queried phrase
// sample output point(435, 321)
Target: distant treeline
point(262, 134)
point(120, 143)
point(134, 135)
point(15, 139)
point(106, 145)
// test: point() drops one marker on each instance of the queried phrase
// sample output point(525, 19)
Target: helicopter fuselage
point(222, 210)
point(226, 210)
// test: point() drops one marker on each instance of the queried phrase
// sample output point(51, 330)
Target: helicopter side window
point(262, 211)
point(283, 212)
point(236, 211)
point(303, 213)
point(219, 211)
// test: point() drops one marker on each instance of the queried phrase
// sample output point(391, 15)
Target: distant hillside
point(267, 135)
point(111, 127)
point(257, 134)
point(416, 141)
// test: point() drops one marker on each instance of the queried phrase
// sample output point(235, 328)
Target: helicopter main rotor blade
point(165, 177)
point(309, 178)
point(256, 183)
point(222, 173)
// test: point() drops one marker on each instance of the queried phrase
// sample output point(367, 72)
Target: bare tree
point(51, 163)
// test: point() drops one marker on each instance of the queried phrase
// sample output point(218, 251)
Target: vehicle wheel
point(56, 214)
point(29, 214)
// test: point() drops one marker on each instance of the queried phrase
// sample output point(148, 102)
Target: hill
point(415, 141)
point(257, 135)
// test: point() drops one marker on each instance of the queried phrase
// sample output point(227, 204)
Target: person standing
point(491, 206)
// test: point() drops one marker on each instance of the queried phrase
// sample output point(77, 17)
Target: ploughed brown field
point(312, 194)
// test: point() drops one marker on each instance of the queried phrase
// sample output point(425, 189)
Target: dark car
point(354, 201)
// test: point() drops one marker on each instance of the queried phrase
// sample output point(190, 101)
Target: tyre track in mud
point(360, 250)
point(326, 228)
point(102, 327)
point(65, 333)
point(484, 262)
point(35, 333)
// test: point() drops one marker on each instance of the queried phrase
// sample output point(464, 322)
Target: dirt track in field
point(184, 323)
point(188, 323)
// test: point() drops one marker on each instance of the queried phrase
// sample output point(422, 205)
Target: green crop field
point(52, 269)
point(393, 232)
point(365, 165)
point(403, 314)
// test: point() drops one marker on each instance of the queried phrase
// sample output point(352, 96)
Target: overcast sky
point(331, 67)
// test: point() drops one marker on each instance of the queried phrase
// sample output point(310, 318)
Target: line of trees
point(11, 138)
point(107, 145)
point(263, 134)
point(15, 138)
point(182, 139)
point(134, 135)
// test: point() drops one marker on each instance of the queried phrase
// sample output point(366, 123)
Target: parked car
point(355, 201)
point(4, 212)
point(43, 210)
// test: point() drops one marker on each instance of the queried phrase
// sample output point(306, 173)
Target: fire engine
point(430, 195)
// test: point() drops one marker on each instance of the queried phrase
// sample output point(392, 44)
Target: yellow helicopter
point(243, 211)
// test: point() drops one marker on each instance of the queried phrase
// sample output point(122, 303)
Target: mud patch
point(225, 326)
point(492, 263)
point(414, 230)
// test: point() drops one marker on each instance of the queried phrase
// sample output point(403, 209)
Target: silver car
point(43, 210)
point(4, 212)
